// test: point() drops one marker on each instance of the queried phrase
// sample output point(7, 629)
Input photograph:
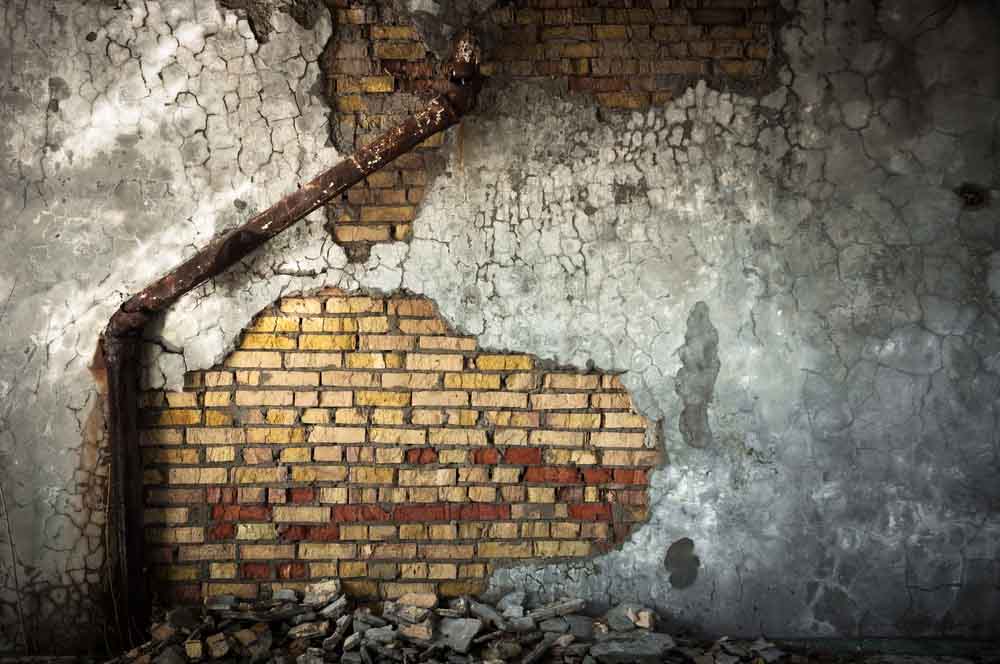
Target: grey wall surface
point(790, 281)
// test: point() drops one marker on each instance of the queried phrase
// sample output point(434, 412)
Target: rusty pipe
point(122, 337)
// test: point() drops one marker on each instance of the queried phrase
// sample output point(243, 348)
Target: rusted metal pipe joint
point(121, 341)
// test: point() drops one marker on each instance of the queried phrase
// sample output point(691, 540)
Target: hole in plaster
point(973, 196)
point(681, 562)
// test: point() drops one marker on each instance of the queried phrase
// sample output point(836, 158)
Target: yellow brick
point(441, 398)
point(521, 381)
point(413, 571)
point(541, 494)
point(326, 551)
point(350, 416)
point(218, 378)
point(222, 570)
point(373, 325)
point(266, 551)
point(313, 360)
point(573, 420)
point(434, 362)
point(348, 568)
point(502, 530)
point(618, 421)
point(442, 531)
point(275, 435)
point(289, 378)
point(558, 438)
point(217, 399)
point(457, 437)
point(207, 552)
point(412, 307)
point(473, 474)
point(161, 437)
point(422, 495)
point(178, 417)
point(245, 377)
point(472, 381)
point(446, 551)
point(327, 342)
point(388, 551)
point(301, 514)
point(275, 324)
point(264, 398)
point(611, 401)
point(329, 325)
point(482, 494)
point(398, 436)
point(442, 571)
point(182, 399)
point(617, 439)
point(392, 495)
point(350, 378)
point(448, 343)
point(259, 475)
point(286, 416)
point(197, 476)
point(353, 532)
point(505, 362)
point(369, 398)
point(565, 530)
point(462, 417)
point(308, 399)
point(422, 326)
point(188, 535)
point(335, 495)
point(216, 418)
point(629, 458)
point(298, 305)
point(371, 475)
point(570, 457)
point(504, 475)
point(432, 477)
point(408, 531)
point(557, 549)
point(254, 359)
point(381, 533)
point(256, 531)
point(368, 360)
point(452, 456)
point(328, 453)
point(591, 494)
point(453, 494)
point(315, 473)
point(499, 400)
point(558, 401)
point(411, 380)
point(510, 437)
point(337, 434)
point(354, 305)
point(315, 416)
point(557, 381)
point(219, 454)
point(165, 515)
point(504, 550)
point(295, 455)
point(535, 529)
point(267, 341)
point(389, 455)
point(394, 32)
point(502, 418)
point(336, 399)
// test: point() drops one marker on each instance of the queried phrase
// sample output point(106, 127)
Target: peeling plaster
point(850, 488)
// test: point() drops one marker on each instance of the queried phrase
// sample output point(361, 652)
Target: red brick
point(487, 455)
point(301, 495)
point(433, 512)
point(590, 511)
point(569, 494)
point(481, 511)
point(185, 594)
point(255, 571)
point(522, 455)
point(596, 475)
point(220, 495)
point(221, 531)
point(624, 476)
point(360, 513)
point(291, 533)
point(241, 513)
point(292, 571)
point(552, 475)
point(422, 455)
point(329, 533)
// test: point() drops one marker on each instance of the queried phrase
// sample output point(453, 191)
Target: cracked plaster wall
point(849, 487)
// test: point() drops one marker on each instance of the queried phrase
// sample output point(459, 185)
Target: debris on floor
point(322, 625)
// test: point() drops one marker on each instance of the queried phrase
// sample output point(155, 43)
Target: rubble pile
point(322, 625)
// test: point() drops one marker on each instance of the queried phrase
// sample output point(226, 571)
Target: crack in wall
point(696, 378)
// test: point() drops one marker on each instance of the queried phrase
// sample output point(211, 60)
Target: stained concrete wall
point(790, 281)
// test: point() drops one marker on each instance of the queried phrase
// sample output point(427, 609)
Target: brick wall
point(360, 437)
point(623, 54)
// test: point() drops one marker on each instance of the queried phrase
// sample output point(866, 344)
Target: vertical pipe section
point(123, 336)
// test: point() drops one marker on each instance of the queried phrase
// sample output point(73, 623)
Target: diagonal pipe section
point(123, 335)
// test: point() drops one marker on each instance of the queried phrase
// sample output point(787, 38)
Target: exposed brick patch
point(624, 54)
point(377, 466)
